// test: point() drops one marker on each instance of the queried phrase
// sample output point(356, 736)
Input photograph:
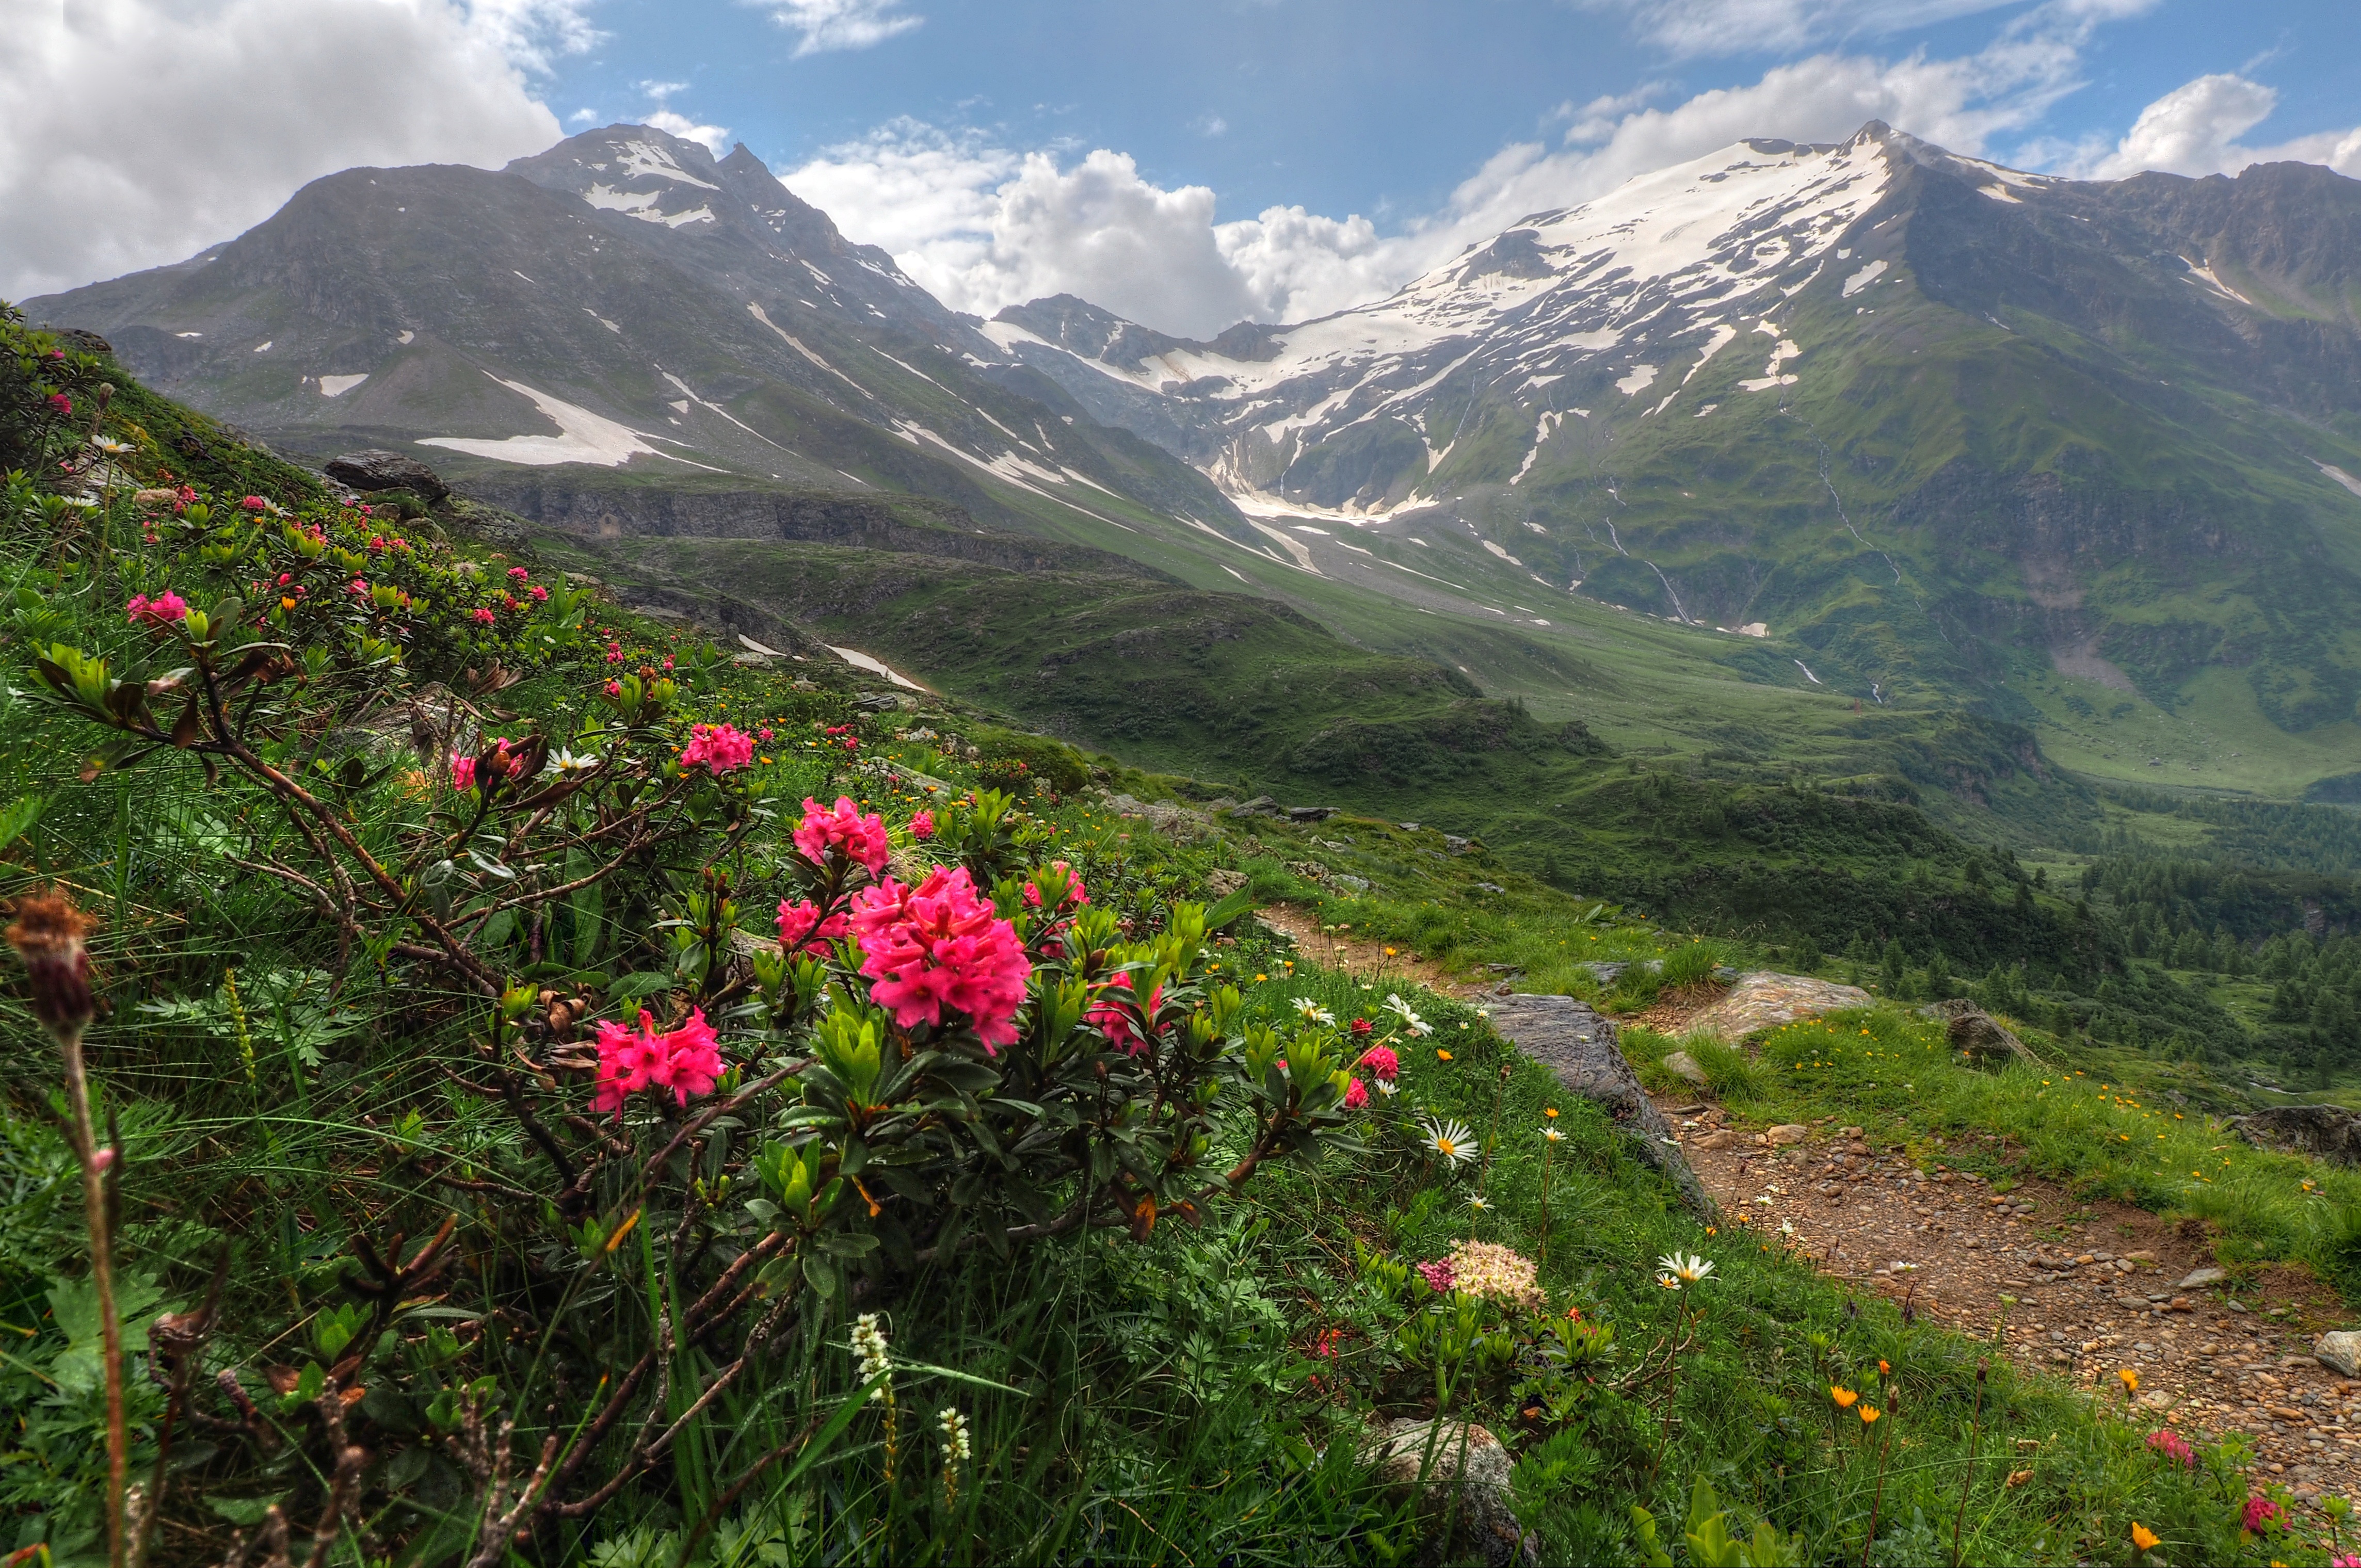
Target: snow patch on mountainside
point(1863, 279)
point(642, 205)
point(582, 437)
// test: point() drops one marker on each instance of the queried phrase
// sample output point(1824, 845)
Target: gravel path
point(2077, 1289)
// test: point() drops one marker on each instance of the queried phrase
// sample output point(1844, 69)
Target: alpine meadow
point(1679, 884)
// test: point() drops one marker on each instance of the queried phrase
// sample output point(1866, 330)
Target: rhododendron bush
point(708, 994)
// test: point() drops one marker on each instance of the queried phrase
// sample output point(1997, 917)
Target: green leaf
point(17, 818)
point(243, 1510)
point(645, 982)
point(1229, 909)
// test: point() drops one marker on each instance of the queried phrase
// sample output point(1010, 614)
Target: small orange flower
point(1843, 1397)
point(1442, 1055)
point(1551, 1113)
point(1868, 1414)
point(2143, 1537)
point(1885, 1370)
point(2131, 1379)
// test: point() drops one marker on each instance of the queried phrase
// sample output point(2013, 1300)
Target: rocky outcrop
point(1460, 1472)
point(1983, 1038)
point(1763, 1000)
point(2324, 1132)
point(373, 470)
point(590, 508)
point(1571, 1040)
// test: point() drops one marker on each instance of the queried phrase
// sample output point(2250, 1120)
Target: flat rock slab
point(1763, 1000)
point(1570, 1040)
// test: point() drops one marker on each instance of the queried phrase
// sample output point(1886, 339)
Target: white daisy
point(1690, 1268)
point(1452, 1140)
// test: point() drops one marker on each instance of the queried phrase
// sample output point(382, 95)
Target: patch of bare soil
point(1671, 1011)
point(1361, 956)
point(2079, 1290)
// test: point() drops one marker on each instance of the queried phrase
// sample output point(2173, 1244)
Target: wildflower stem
point(1877, 1499)
point(101, 1274)
point(1975, 1427)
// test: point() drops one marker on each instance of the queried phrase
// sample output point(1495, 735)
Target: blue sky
point(1372, 106)
point(1187, 163)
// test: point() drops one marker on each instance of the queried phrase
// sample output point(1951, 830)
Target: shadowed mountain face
point(1949, 427)
point(625, 302)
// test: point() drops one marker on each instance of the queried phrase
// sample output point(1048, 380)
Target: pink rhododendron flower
point(60, 402)
point(922, 823)
point(614, 653)
point(695, 1053)
point(614, 688)
point(940, 946)
point(802, 929)
point(161, 611)
point(717, 747)
point(500, 765)
point(537, 594)
point(1362, 1029)
point(1108, 1017)
point(1357, 1094)
point(763, 734)
point(1438, 1275)
point(861, 839)
point(254, 503)
point(2173, 1446)
point(1380, 1060)
point(484, 618)
point(1076, 894)
point(687, 1060)
point(519, 574)
point(2262, 1514)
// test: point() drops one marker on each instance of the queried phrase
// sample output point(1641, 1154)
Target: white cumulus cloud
point(2195, 130)
point(984, 226)
point(824, 25)
point(136, 132)
point(664, 118)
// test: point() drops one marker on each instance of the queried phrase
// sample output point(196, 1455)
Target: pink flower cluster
point(719, 746)
point(940, 946)
point(1076, 894)
point(1438, 1274)
point(1356, 1095)
point(1108, 1017)
point(1381, 1060)
point(2262, 1514)
point(686, 1060)
point(500, 765)
point(861, 839)
point(922, 823)
point(485, 616)
point(801, 929)
point(2173, 1446)
point(162, 611)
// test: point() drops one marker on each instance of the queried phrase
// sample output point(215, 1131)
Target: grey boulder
point(1460, 1472)
point(375, 470)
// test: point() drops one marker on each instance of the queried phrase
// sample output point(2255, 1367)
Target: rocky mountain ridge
point(1949, 425)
